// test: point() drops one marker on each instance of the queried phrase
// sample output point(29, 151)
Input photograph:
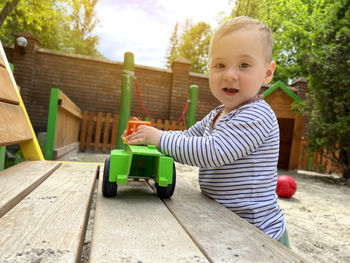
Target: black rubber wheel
point(167, 191)
point(109, 189)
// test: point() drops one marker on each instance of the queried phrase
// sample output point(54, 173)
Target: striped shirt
point(237, 162)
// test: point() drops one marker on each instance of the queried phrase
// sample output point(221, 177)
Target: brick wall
point(95, 84)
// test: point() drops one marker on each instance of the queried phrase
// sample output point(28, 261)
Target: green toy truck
point(136, 162)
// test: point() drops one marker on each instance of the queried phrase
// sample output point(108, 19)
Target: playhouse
point(280, 98)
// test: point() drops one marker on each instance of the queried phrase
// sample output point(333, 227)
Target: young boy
point(236, 145)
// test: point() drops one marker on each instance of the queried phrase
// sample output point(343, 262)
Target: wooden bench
point(45, 206)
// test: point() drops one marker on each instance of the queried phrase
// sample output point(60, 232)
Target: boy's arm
point(230, 141)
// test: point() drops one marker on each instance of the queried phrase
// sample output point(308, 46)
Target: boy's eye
point(244, 65)
point(220, 65)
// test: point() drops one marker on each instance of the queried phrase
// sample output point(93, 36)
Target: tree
point(292, 23)
point(51, 21)
point(172, 52)
point(329, 97)
point(7, 10)
point(84, 21)
point(192, 43)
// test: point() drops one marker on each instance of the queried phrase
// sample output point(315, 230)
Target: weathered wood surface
point(16, 184)
point(58, 152)
point(137, 227)
point(14, 127)
point(50, 222)
point(69, 106)
point(8, 91)
point(219, 233)
point(47, 212)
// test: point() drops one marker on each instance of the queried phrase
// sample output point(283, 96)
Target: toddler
point(236, 145)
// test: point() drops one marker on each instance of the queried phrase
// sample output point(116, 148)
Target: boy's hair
point(240, 22)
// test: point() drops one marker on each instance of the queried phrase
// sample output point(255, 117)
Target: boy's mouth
point(230, 91)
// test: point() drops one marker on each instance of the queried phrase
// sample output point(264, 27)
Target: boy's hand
point(145, 135)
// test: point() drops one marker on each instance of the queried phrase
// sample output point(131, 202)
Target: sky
point(144, 27)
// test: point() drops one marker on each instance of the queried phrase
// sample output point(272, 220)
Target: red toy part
point(286, 186)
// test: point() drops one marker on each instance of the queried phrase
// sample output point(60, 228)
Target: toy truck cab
point(136, 162)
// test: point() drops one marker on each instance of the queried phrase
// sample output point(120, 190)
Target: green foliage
point(292, 23)
point(63, 25)
point(191, 43)
point(329, 98)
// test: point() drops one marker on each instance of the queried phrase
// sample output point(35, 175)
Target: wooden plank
point(14, 127)
point(106, 132)
point(2, 62)
point(65, 149)
point(297, 133)
point(159, 124)
point(98, 131)
point(60, 123)
point(68, 105)
point(166, 125)
point(19, 180)
point(91, 122)
point(67, 128)
point(8, 92)
point(114, 131)
point(222, 235)
point(137, 227)
point(83, 131)
point(50, 223)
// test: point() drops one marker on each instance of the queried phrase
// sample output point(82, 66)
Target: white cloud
point(144, 26)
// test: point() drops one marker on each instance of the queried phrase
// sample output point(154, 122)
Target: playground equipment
point(286, 186)
point(138, 162)
point(128, 81)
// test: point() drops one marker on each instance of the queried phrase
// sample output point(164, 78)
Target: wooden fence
point(63, 125)
point(316, 161)
point(99, 132)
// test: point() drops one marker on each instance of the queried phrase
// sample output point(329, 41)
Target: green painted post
point(2, 157)
point(52, 124)
point(191, 111)
point(125, 98)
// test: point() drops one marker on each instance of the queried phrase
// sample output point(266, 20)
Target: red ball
point(286, 186)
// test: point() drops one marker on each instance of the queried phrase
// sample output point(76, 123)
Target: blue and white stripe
point(237, 162)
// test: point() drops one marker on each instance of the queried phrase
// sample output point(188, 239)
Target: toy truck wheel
point(109, 189)
point(167, 191)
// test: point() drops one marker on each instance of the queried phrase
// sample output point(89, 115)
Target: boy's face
point(238, 67)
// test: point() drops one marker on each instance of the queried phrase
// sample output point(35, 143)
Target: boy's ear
point(270, 70)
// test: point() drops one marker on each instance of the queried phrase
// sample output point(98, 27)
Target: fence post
point(191, 114)
point(125, 98)
point(52, 123)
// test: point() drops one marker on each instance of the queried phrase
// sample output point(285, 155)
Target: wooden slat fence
point(63, 125)
point(99, 132)
point(69, 116)
point(319, 161)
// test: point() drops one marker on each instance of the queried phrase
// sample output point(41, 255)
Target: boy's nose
point(230, 74)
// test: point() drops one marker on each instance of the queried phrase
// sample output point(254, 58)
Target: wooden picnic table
point(44, 214)
point(45, 208)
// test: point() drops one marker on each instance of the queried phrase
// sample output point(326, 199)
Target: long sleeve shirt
point(237, 161)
